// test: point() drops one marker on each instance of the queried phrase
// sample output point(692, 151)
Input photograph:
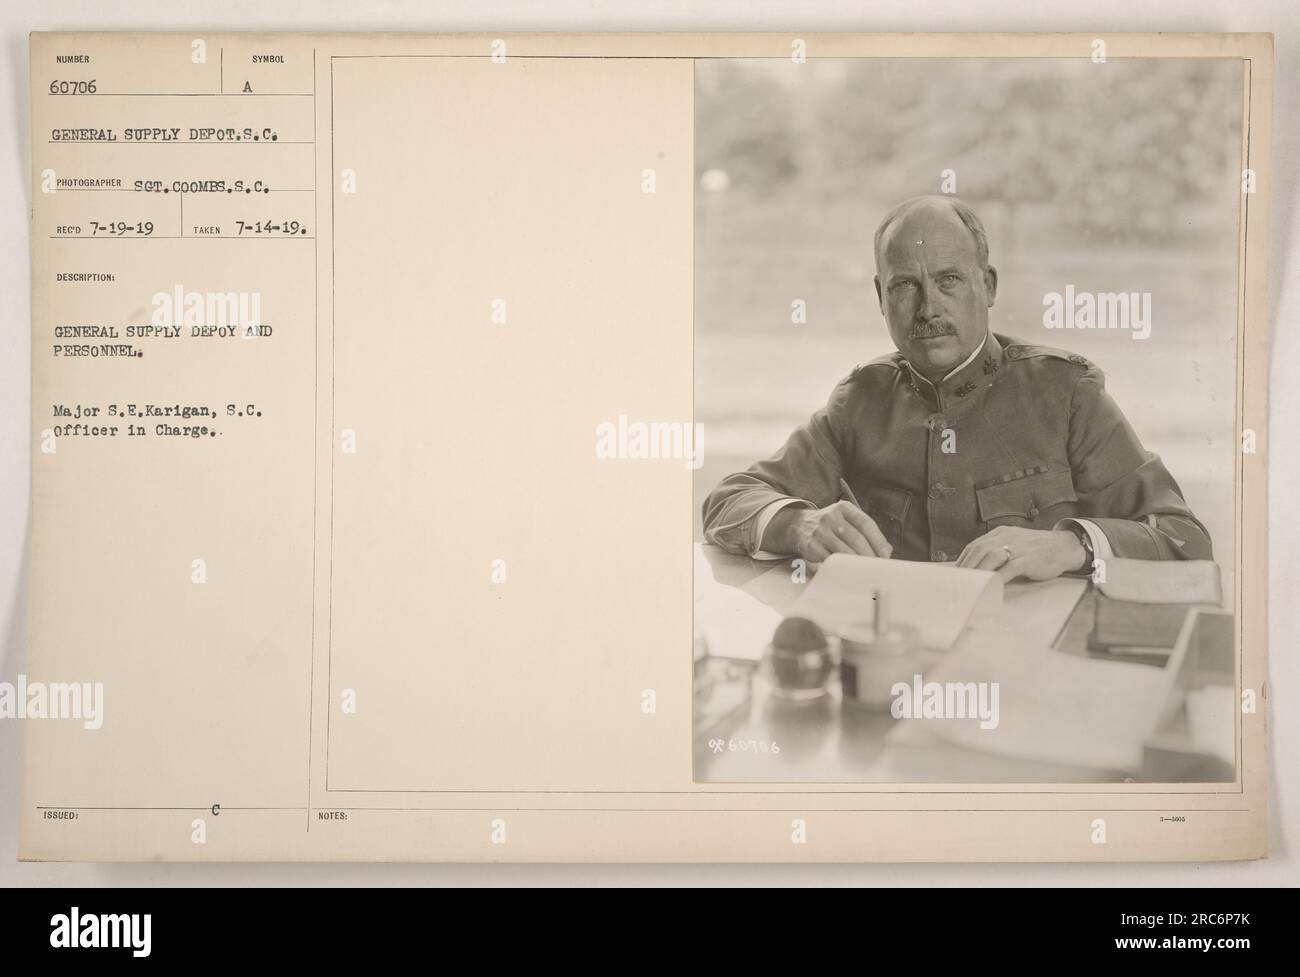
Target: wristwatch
point(1089, 555)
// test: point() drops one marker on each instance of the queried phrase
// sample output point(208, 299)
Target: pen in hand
point(846, 493)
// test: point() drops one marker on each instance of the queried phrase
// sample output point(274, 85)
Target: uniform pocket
point(1027, 499)
point(888, 508)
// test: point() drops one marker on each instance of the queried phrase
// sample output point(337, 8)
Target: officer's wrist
point(1080, 556)
point(781, 536)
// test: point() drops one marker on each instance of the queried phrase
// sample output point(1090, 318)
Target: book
point(1141, 606)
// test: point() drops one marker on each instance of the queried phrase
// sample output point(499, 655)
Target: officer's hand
point(841, 527)
point(1039, 554)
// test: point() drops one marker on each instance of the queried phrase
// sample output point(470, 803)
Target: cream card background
point(476, 440)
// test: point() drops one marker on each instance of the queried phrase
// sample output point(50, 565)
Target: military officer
point(964, 445)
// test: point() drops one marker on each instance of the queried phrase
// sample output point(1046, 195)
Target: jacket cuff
point(1100, 543)
point(761, 522)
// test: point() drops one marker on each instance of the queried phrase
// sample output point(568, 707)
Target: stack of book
point(1142, 605)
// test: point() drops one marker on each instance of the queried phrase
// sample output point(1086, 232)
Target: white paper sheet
point(936, 599)
point(1052, 706)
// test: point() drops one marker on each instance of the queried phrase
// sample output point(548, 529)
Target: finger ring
point(1010, 555)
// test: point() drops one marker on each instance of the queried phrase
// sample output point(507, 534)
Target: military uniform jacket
point(1022, 435)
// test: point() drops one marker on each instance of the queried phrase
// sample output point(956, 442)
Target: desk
point(821, 743)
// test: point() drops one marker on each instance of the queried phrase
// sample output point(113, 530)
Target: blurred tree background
point(1122, 176)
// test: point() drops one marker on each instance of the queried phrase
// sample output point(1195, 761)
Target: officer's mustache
point(930, 329)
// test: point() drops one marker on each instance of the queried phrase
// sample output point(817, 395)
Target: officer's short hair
point(960, 208)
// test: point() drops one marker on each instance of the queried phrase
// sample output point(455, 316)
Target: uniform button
point(940, 556)
point(936, 491)
point(1013, 352)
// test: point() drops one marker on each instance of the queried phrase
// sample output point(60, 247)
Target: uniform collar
point(970, 359)
point(977, 370)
